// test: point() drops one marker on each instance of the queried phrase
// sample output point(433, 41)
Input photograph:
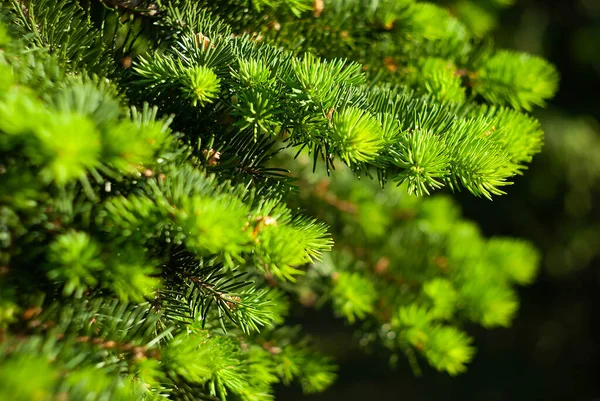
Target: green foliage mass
point(155, 233)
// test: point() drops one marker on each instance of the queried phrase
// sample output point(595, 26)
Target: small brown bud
point(271, 347)
point(202, 41)
point(31, 312)
point(126, 62)
point(212, 157)
point(330, 113)
point(232, 301)
point(382, 265)
point(318, 7)
point(390, 64)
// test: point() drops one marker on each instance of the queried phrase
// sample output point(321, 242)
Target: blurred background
point(552, 352)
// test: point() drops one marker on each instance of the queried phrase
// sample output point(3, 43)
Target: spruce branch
point(153, 237)
point(312, 94)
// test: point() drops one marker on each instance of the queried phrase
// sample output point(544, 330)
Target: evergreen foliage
point(156, 231)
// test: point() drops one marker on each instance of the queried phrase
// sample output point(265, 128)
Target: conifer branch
point(148, 210)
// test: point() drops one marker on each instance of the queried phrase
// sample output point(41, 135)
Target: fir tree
point(175, 173)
